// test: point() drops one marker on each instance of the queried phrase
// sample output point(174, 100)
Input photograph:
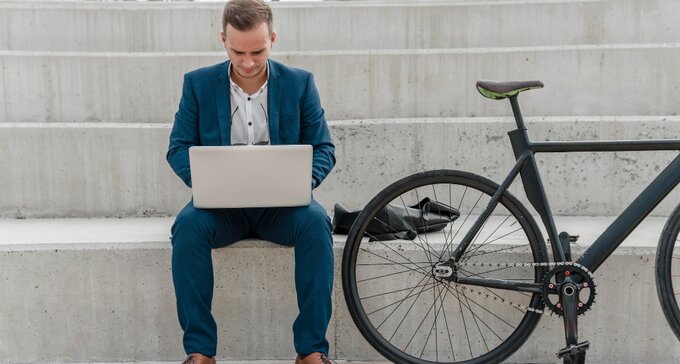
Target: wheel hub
point(444, 270)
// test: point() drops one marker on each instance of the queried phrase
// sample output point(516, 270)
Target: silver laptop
point(251, 176)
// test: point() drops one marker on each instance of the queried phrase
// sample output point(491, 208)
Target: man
point(251, 99)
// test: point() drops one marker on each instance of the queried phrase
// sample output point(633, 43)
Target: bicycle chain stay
point(518, 305)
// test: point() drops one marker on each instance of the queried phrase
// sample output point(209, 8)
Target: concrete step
point(145, 87)
point(99, 290)
point(108, 169)
point(181, 26)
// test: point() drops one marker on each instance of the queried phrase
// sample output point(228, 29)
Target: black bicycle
point(474, 291)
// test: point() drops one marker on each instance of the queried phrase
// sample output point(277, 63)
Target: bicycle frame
point(614, 234)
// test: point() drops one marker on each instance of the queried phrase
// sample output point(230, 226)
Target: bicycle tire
point(358, 269)
point(668, 271)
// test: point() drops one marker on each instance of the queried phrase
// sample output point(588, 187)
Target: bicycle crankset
point(565, 273)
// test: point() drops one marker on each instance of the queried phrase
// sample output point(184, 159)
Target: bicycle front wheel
point(668, 271)
point(411, 316)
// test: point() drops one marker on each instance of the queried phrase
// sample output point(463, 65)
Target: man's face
point(248, 50)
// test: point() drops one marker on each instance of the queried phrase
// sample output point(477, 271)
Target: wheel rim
point(668, 271)
point(408, 314)
point(674, 282)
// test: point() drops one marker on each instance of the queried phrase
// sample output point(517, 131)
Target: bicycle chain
point(500, 265)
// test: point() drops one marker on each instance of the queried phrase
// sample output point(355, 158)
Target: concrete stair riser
point(98, 169)
point(124, 87)
point(195, 27)
point(60, 311)
point(85, 134)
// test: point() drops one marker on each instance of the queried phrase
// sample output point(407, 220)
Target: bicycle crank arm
point(573, 353)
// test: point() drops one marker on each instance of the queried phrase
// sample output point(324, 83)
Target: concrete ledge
point(145, 87)
point(106, 169)
point(144, 27)
point(66, 299)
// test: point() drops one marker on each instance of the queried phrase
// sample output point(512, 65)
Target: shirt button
point(249, 99)
point(250, 124)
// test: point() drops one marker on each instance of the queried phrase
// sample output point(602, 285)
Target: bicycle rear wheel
point(409, 315)
point(668, 271)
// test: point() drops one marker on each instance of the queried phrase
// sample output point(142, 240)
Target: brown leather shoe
point(313, 358)
point(196, 358)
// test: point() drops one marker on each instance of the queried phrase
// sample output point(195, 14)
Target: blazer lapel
point(223, 102)
point(273, 103)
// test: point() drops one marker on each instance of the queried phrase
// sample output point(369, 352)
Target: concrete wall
point(144, 27)
point(103, 169)
point(580, 80)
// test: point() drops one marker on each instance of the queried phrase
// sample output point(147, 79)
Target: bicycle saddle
point(498, 90)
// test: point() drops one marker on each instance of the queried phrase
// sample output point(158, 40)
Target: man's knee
point(314, 217)
point(195, 223)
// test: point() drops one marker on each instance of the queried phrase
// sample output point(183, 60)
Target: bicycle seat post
point(517, 112)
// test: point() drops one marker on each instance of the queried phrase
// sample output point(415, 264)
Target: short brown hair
point(246, 14)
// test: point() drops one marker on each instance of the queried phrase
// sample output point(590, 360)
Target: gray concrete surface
point(142, 27)
point(132, 87)
point(82, 290)
point(84, 134)
point(104, 169)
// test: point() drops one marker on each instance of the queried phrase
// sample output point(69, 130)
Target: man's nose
point(248, 62)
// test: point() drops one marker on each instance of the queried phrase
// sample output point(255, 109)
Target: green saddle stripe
point(501, 95)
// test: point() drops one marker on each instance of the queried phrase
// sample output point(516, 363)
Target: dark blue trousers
point(197, 231)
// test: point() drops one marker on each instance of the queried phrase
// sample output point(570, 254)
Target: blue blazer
point(294, 108)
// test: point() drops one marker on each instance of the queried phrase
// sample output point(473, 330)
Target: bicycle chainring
point(561, 274)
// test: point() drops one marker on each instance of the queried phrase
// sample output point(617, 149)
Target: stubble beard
point(254, 75)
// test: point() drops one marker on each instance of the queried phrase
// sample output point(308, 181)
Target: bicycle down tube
point(636, 211)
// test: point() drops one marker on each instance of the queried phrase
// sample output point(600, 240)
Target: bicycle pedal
point(574, 349)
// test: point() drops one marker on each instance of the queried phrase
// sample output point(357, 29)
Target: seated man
point(251, 99)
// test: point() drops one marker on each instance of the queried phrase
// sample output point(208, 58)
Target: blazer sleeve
point(185, 132)
point(314, 131)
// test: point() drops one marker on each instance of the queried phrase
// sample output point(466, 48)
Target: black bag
point(398, 222)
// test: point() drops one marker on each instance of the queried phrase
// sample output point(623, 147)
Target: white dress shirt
point(249, 115)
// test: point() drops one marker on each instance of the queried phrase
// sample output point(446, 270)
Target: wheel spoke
point(428, 252)
point(385, 275)
point(407, 312)
point(396, 252)
point(446, 322)
point(450, 244)
point(423, 272)
point(399, 302)
point(390, 292)
point(396, 231)
point(414, 263)
point(499, 250)
point(485, 242)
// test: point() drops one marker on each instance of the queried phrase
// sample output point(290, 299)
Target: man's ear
point(273, 38)
point(224, 39)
